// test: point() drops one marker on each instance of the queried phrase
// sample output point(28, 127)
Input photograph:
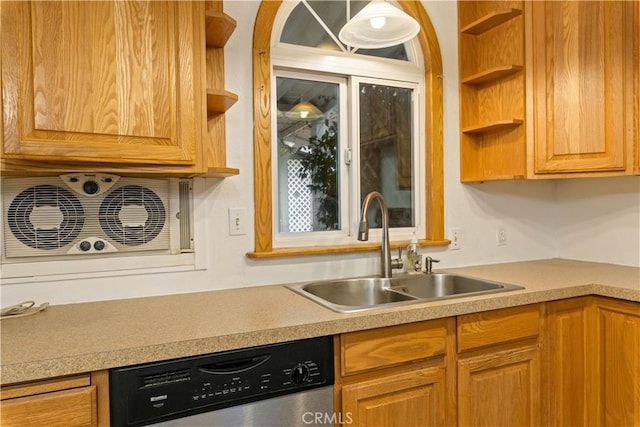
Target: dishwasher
point(284, 384)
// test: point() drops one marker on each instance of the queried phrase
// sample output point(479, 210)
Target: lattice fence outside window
point(300, 199)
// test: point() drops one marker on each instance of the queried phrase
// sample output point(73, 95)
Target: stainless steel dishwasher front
point(284, 384)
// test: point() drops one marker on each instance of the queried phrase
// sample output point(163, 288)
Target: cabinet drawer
point(377, 348)
point(69, 408)
point(498, 326)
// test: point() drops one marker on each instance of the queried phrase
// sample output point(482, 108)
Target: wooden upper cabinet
point(582, 56)
point(109, 81)
point(549, 89)
point(492, 90)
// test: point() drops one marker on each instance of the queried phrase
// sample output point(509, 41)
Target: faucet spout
point(363, 231)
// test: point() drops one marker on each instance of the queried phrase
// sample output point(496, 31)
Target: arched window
point(332, 123)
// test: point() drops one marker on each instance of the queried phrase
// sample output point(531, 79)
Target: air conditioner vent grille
point(34, 212)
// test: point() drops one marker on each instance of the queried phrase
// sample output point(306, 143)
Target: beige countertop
point(75, 338)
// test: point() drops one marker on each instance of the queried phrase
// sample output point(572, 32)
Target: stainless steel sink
point(349, 295)
point(352, 294)
point(443, 285)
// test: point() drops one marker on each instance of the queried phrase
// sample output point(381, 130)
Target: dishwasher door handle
point(234, 366)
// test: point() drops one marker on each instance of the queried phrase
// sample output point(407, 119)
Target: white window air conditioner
point(85, 216)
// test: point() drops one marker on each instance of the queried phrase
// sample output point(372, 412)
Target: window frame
point(282, 239)
point(263, 107)
point(418, 160)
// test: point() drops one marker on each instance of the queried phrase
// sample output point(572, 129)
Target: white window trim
point(295, 57)
point(336, 237)
point(399, 233)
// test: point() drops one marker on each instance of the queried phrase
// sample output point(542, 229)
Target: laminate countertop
point(76, 338)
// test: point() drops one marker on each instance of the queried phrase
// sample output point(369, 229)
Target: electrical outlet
point(455, 235)
point(501, 235)
point(236, 221)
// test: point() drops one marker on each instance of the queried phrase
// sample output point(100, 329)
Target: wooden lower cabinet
point(569, 342)
point(618, 362)
point(571, 362)
point(592, 362)
point(413, 398)
point(397, 376)
point(500, 388)
point(499, 367)
point(76, 401)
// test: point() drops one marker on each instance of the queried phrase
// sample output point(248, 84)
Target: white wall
point(531, 212)
point(599, 220)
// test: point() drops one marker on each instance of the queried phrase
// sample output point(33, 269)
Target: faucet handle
point(398, 263)
point(429, 263)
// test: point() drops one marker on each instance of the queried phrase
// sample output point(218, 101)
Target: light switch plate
point(237, 219)
point(455, 235)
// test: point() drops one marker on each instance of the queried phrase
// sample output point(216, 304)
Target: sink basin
point(443, 285)
point(349, 295)
point(352, 294)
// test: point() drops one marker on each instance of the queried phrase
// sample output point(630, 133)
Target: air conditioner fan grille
point(140, 230)
point(19, 217)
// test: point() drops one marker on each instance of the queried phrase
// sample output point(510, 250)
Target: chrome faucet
point(363, 231)
point(429, 264)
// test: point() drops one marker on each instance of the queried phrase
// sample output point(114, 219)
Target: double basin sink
point(358, 294)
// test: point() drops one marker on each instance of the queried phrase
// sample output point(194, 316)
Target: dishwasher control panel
point(153, 392)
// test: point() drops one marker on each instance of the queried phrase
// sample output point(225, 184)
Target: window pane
point(304, 29)
point(386, 163)
point(308, 115)
point(398, 52)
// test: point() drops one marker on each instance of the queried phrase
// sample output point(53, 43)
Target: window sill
point(330, 250)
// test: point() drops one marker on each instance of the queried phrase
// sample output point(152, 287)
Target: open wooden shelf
point(219, 27)
point(490, 21)
point(220, 172)
point(219, 101)
point(492, 126)
point(491, 74)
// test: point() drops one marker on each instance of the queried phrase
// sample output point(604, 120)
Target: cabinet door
point(582, 88)
point(79, 400)
point(69, 408)
point(415, 398)
point(569, 362)
point(106, 81)
point(500, 388)
point(618, 360)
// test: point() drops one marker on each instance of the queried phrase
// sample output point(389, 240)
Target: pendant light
point(304, 111)
point(379, 24)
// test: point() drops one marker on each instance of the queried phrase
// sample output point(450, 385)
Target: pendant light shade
point(304, 111)
point(378, 25)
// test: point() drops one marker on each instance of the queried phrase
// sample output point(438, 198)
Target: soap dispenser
point(413, 263)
